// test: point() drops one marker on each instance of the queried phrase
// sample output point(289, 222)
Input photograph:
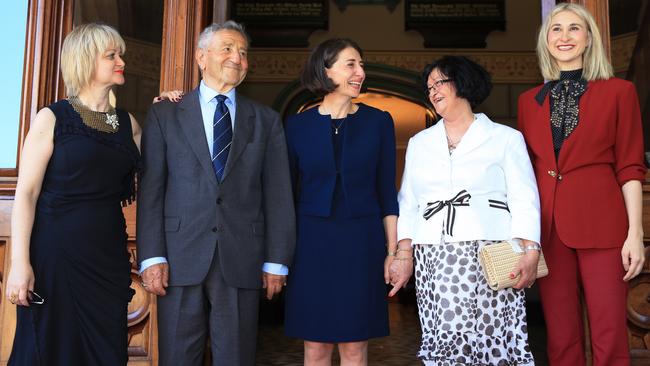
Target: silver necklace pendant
point(336, 127)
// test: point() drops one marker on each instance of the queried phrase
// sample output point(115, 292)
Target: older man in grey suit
point(215, 209)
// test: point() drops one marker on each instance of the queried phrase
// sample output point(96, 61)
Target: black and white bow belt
point(461, 199)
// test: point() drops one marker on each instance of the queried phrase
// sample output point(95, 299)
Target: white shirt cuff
point(150, 262)
point(275, 268)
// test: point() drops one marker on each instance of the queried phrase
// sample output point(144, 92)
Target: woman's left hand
point(526, 269)
point(399, 271)
point(633, 256)
point(172, 95)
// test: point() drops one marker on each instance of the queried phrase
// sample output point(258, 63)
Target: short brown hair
point(313, 75)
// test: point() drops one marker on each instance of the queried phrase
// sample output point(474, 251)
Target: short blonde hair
point(595, 64)
point(80, 50)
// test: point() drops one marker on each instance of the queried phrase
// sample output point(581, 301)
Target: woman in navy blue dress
point(342, 159)
point(70, 273)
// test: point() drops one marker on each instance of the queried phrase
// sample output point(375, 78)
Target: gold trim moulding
point(270, 65)
point(283, 65)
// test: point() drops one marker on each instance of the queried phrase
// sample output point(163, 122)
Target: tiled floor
point(398, 349)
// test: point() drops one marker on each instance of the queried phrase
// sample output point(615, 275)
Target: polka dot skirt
point(463, 321)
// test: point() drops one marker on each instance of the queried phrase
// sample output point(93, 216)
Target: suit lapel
point(541, 127)
point(191, 121)
point(241, 134)
point(439, 145)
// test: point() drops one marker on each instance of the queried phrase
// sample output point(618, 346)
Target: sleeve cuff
point(150, 262)
point(635, 172)
point(275, 268)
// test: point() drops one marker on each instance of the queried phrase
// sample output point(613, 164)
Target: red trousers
point(599, 274)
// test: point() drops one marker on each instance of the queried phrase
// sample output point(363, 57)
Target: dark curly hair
point(322, 57)
point(472, 82)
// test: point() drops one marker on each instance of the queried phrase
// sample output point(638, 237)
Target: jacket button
point(559, 177)
point(219, 201)
point(214, 229)
point(552, 173)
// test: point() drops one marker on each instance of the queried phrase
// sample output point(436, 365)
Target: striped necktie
point(222, 136)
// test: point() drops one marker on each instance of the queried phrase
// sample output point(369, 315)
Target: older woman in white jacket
point(468, 182)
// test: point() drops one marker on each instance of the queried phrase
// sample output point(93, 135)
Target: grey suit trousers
point(187, 315)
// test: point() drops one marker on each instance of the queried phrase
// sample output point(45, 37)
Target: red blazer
point(581, 194)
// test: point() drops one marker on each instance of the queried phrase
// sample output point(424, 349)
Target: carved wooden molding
point(142, 58)
point(506, 67)
point(622, 51)
point(638, 312)
point(183, 21)
point(274, 65)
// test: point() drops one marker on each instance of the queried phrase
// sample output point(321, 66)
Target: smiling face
point(347, 73)
point(109, 67)
point(568, 37)
point(442, 94)
point(224, 62)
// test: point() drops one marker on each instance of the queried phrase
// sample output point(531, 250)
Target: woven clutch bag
point(499, 259)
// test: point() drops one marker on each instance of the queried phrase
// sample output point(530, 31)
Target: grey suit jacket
point(186, 215)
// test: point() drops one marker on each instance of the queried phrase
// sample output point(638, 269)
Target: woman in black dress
point(78, 165)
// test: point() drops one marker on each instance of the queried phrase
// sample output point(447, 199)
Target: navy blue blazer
point(367, 162)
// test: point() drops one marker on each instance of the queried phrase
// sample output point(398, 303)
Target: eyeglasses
point(437, 84)
point(35, 298)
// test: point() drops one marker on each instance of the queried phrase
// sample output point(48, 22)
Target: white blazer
point(485, 190)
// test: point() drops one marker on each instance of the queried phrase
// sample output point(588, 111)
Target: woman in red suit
point(583, 132)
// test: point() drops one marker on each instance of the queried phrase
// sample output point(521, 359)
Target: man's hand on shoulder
point(156, 278)
point(273, 284)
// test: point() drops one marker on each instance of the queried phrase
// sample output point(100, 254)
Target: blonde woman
point(583, 131)
point(70, 271)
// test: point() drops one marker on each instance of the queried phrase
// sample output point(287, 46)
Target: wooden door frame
point(48, 22)
point(600, 10)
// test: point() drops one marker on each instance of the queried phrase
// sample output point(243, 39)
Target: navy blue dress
point(336, 291)
point(78, 249)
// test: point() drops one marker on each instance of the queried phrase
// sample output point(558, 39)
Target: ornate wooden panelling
point(638, 314)
point(622, 51)
point(142, 309)
point(141, 316)
point(7, 310)
point(638, 301)
point(268, 65)
point(505, 67)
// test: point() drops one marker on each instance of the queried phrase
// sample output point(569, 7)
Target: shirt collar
point(206, 94)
